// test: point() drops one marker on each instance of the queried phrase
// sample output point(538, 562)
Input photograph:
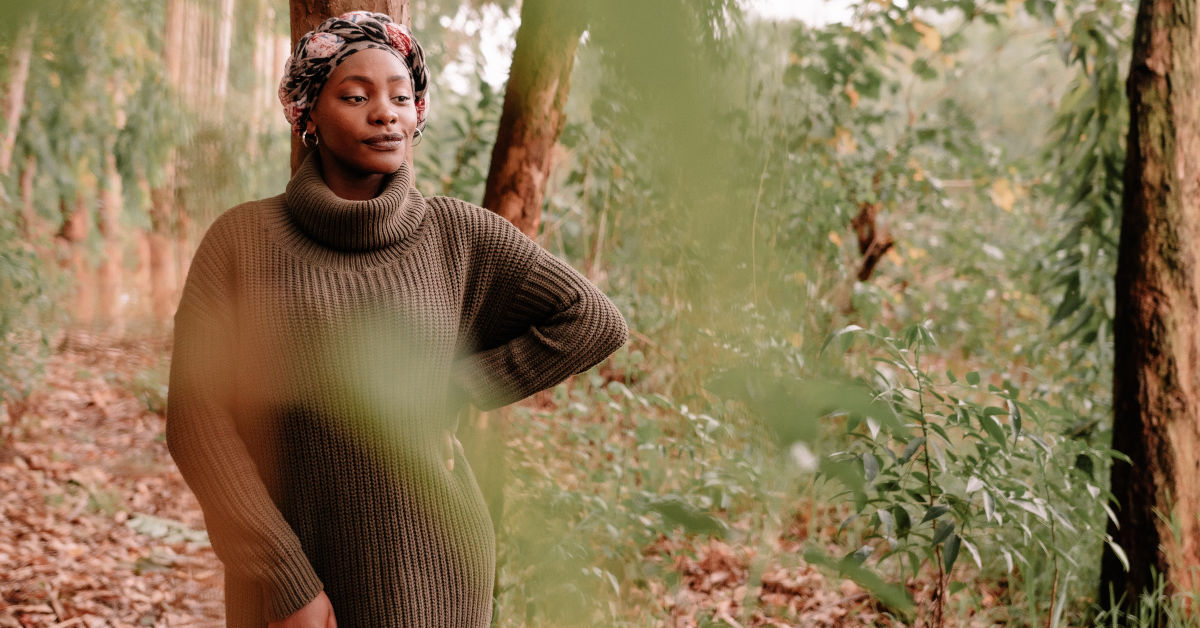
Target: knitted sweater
point(323, 350)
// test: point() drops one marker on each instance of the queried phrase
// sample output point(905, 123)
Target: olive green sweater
point(323, 350)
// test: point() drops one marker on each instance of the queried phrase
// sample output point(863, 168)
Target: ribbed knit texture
point(323, 350)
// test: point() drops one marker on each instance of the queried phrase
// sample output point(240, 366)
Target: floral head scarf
point(333, 41)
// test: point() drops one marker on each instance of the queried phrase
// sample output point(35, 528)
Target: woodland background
point(868, 267)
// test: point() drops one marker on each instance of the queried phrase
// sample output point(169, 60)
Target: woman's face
point(365, 116)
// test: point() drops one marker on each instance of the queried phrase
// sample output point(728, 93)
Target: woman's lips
point(386, 141)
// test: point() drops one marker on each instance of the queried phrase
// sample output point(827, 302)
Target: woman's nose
point(384, 114)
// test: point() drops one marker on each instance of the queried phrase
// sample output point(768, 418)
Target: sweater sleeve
point(564, 325)
point(248, 532)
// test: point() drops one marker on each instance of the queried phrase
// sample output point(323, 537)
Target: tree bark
point(533, 118)
point(162, 268)
point(72, 236)
point(1156, 380)
point(110, 232)
point(178, 48)
point(307, 14)
point(15, 100)
point(223, 44)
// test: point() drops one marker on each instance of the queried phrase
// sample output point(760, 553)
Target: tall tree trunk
point(15, 101)
point(178, 48)
point(163, 277)
point(264, 71)
point(189, 66)
point(223, 44)
point(173, 39)
point(533, 118)
point(109, 226)
point(307, 14)
point(72, 237)
point(1156, 381)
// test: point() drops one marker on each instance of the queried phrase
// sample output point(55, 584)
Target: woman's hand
point(316, 614)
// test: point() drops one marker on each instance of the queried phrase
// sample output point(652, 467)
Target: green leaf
point(677, 512)
point(848, 329)
point(992, 427)
point(1118, 552)
point(891, 595)
point(911, 448)
point(860, 555)
point(934, 512)
point(943, 530)
point(1014, 420)
point(887, 522)
point(974, 553)
point(870, 466)
point(951, 554)
point(973, 378)
point(903, 521)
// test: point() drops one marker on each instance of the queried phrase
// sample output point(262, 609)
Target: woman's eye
point(402, 99)
point(354, 99)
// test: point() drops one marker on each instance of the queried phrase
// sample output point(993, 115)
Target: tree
point(15, 98)
point(532, 118)
point(1156, 382)
point(307, 14)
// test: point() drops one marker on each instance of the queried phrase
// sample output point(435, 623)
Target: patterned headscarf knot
point(333, 41)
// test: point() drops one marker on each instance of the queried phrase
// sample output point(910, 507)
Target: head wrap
point(333, 41)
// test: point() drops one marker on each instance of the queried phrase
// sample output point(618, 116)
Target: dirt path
point(97, 526)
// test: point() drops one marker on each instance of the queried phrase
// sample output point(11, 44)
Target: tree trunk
point(72, 237)
point(109, 226)
point(162, 268)
point(1156, 380)
point(178, 49)
point(172, 41)
point(15, 101)
point(307, 14)
point(533, 118)
point(223, 44)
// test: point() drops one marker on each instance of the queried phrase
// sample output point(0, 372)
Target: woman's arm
point(248, 532)
point(563, 325)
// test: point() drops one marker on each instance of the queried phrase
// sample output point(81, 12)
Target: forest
point(913, 308)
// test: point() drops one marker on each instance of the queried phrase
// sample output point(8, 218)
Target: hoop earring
point(304, 139)
point(417, 135)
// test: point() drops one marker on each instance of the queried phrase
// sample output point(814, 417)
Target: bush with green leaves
point(948, 467)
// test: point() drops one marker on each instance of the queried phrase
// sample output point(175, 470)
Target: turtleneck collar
point(390, 218)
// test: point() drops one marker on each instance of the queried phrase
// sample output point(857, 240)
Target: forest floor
point(97, 528)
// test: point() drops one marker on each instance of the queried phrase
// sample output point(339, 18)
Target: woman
point(327, 339)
